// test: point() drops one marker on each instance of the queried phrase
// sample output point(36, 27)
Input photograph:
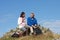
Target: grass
point(47, 35)
point(33, 37)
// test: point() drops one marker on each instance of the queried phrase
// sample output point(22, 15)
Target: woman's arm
point(19, 21)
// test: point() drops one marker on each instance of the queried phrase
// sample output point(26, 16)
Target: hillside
point(46, 35)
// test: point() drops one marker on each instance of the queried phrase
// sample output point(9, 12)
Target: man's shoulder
point(34, 18)
point(28, 18)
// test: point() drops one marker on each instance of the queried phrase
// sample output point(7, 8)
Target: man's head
point(32, 15)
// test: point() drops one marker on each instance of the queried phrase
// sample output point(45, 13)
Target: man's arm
point(29, 22)
point(36, 22)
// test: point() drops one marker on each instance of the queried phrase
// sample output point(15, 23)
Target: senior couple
point(31, 22)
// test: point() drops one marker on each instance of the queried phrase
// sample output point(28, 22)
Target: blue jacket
point(31, 21)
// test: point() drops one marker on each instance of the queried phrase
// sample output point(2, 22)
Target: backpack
point(38, 31)
point(16, 34)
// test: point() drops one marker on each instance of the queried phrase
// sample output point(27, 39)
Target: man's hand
point(34, 27)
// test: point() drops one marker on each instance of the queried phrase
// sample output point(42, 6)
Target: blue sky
point(47, 13)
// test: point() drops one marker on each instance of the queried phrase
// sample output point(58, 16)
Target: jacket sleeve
point(29, 22)
point(19, 21)
point(36, 22)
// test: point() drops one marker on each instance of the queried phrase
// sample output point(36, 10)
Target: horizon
point(47, 13)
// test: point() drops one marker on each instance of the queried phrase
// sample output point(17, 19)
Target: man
point(31, 22)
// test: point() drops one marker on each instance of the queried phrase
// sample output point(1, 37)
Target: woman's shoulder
point(20, 18)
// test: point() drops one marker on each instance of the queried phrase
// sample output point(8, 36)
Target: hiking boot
point(31, 33)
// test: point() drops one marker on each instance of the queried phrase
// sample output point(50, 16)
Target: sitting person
point(31, 22)
point(22, 22)
point(21, 31)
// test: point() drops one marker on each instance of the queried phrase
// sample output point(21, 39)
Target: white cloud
point(5, 18)
point(54, 25)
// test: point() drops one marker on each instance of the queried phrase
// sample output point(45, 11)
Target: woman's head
point(32, 15)
point(22, 14)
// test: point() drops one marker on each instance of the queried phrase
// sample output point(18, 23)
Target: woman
point(21, 21)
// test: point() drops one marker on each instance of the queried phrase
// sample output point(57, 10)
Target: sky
point(47, 13)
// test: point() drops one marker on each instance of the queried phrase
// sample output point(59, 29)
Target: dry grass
point(47, 35)
point(33, 37)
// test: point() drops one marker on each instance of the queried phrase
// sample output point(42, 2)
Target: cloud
point(4, 22)
point(5, 18)
point(54, 25)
